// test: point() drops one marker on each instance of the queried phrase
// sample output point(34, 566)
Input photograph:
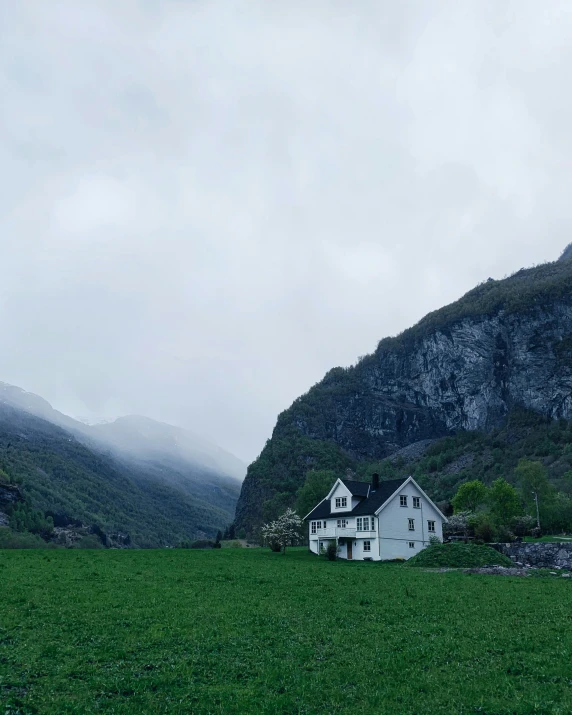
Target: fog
point(204, 206)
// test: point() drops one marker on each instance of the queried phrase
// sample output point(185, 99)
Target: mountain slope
point(133, 436)
point(504, 346)
point(148, 439)
point(63, 476)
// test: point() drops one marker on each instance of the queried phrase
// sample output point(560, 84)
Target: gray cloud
point(206, 205)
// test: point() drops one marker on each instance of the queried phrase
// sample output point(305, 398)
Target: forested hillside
point(64, 477)
point(464, 372)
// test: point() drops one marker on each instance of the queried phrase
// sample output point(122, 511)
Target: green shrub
point(21, 540)
point(24, 518)
point(202, 544)
point(332, 552)
point(183, 544)
point(90, 541)
point(482, 527)
point(458, 555)
point(504, 535)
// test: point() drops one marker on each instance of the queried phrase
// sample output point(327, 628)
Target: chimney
point(374, 482)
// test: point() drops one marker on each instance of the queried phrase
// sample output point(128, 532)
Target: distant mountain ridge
point(504, 346)
point(154, 481)
point(133, 435)
point(147, 438)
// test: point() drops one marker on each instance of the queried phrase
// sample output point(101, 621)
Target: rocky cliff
point(505, 345)
point(10, 495)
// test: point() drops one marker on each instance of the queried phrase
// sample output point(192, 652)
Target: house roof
point(358, 489)
point(368, 505)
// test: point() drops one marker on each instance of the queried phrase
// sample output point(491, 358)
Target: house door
point(350, 544)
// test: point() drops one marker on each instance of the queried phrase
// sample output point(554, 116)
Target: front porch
point(359, 546)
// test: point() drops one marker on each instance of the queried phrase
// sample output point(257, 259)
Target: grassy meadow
point(249, 631)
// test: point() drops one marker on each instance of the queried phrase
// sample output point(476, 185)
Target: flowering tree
point(283, 532)
point(458, 524)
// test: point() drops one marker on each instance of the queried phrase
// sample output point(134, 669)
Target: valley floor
point(249, 631)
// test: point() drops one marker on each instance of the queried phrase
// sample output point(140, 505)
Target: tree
point(458, 524)
point(470, 496)
point(318, 483)
point(283, 532)
point(272, 508)
point(504, 502)
point(218, 538)
point(534, 484)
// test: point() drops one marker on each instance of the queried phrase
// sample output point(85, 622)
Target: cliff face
point(10, 494)
point(465, 378)
point(506, 345)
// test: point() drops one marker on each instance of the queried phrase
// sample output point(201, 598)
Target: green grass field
point(547, 539)
point(249, 631)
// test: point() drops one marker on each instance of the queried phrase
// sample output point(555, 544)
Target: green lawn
point(249, 631)
point(548, 539)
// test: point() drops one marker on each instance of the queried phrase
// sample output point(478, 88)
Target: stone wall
point(543, 555)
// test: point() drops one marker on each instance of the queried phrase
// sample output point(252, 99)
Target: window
point(341, 502)
point(411, 544)
point(367, 545)
point(403, 500)
point(324, 525)
point(431, 526)
point(416, 503)
point(342, 523)
point(363, 523)
point(313, 525)
point(411, 524)
point(372, 524)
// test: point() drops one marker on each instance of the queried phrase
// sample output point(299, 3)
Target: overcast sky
point(205, 205)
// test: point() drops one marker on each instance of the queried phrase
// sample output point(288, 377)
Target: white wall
point(323, 543)
point(358, 554)
point(393, 525)
point(342, 491)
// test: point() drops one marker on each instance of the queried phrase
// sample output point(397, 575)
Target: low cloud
point(205, 206)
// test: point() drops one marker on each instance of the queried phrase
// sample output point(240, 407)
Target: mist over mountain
point(158, 483)
point(133, 436)
point(145, 438)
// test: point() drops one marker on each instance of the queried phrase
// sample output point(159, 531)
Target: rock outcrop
point(10, 494)
point(505, 345)
point(541, 555)
point(467, 377)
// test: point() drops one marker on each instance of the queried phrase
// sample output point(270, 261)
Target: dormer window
point(341, 502)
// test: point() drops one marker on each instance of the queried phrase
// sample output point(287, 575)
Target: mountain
point(148, 439)
point(566, 254)
point(154, 481)
point(133, 436)
point(504, 348)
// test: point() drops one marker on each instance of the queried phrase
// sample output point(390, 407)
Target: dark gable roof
point(366, 506)
point(358, 489)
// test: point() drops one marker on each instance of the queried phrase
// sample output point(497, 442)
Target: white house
point(377, 521)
